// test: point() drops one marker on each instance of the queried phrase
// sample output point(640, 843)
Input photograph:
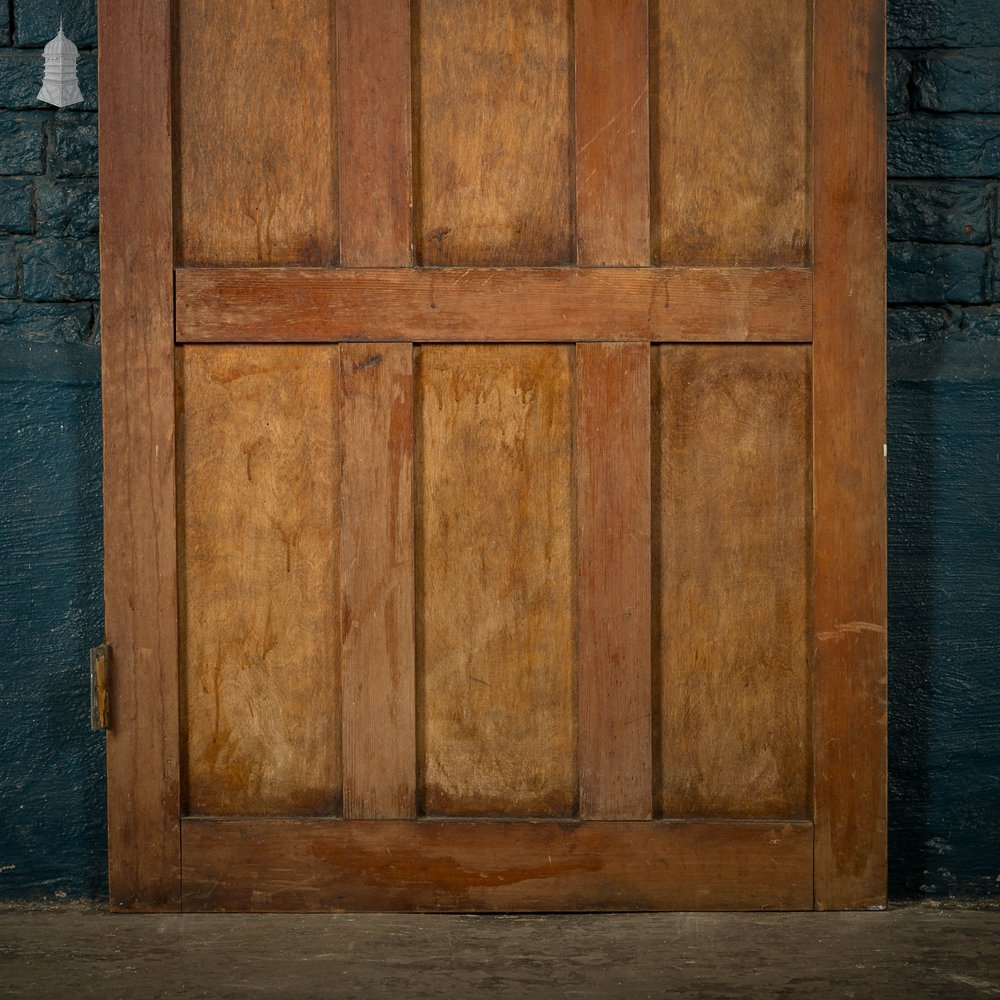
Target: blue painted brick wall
point(944, 447)
point(944, 442)
point(52, 825)
point(48, 182)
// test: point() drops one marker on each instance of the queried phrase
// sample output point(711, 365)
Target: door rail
point(303, 865)
point(473, 304)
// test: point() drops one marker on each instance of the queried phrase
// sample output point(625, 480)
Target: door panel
point(731, 577)
point(494, 132)
point(731, 117)
point(496, 581)
point(258, 546)
point(490, 552)
point(256, 173)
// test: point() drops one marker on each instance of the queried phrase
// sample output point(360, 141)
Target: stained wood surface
point(612, 132)
point(140, 578)
point(256, 171)
point(258, 193)
point(494, 134)
point(496, 580)
point(849, 486)
point(373, 116)
point(614, 517)
point(468, 304)
point(378, 579)
point(258, 469)
point(437, 865)
point(730, 127)
point(732, 579)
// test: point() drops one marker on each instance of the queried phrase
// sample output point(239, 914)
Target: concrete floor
point(910, 952)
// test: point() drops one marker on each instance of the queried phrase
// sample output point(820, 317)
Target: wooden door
point(494, 465)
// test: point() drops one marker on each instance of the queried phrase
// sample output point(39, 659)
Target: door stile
point(615, 628)
point(613, 452)
point(849, 685)
point(140, 542)
point(374, 123)
point(377, 627)
point(612, 132)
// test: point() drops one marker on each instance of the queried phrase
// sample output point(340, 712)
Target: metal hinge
point(100, 677)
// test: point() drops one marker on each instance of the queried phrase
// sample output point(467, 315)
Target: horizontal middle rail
point(467, 305)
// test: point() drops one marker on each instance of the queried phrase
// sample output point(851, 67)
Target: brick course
point(958, 80)
point(942, 23)
point(36, 21)
point(49, 273)
point(943, 105)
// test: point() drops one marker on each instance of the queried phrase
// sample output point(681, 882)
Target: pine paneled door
point(494, 467)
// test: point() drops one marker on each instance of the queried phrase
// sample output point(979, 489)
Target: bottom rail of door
point(442, 865)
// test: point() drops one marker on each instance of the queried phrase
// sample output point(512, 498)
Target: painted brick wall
point(52, 827)
point(944, 446)
point(944, 441)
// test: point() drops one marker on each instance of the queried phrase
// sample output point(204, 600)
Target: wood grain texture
point(373, 91)
point(465, 304)
point(494, 141)
point(140, 588)
point(614, 516)
point(730, 126)
point(259, 547)
point(849, 472)
point(612, 132)
point(496, 579)
point(441, 865)
point(732, 577)
point(377, 559)
point(256, 143)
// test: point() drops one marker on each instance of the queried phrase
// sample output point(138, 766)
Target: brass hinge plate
point(100, 678)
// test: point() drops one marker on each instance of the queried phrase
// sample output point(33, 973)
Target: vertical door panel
point(256, 179)
point(731, 575)
point(494, 132)
point(496, 581)
point(730, 121)
point(258, 468)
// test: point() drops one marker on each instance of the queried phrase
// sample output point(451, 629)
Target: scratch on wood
point(856, 627)
point(610, 123)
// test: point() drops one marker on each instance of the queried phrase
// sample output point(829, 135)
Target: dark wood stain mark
point(370, 362)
